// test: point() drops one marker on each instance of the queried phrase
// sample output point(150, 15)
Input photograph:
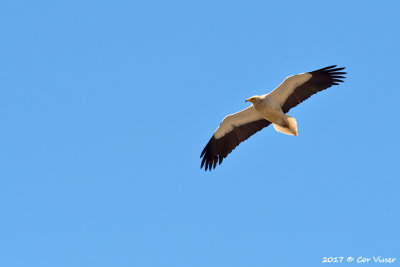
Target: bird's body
point(267, 109)
point(270, 110)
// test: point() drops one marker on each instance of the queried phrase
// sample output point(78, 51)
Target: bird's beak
point(246, 101)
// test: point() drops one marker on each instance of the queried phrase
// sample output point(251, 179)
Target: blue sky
point(105, 107)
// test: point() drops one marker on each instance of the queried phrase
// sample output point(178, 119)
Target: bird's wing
point(233, 130)
point(295, 89)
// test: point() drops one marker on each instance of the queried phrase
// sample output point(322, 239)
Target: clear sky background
point(105, 107)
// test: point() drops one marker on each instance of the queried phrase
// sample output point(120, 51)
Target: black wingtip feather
point(321, 79)
point(218, 149)
point(327, 68)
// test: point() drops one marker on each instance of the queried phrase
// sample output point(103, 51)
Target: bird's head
point(253, 99)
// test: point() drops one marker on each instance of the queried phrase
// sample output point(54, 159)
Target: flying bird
point(267, 109)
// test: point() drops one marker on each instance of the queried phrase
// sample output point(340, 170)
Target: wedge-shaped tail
point(289, 127)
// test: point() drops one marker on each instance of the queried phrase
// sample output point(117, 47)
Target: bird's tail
point(289, 126)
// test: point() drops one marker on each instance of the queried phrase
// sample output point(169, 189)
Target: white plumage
point(239, 118)
point(267, 109)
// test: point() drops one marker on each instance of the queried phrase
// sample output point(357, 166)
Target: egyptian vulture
point(267, 109)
